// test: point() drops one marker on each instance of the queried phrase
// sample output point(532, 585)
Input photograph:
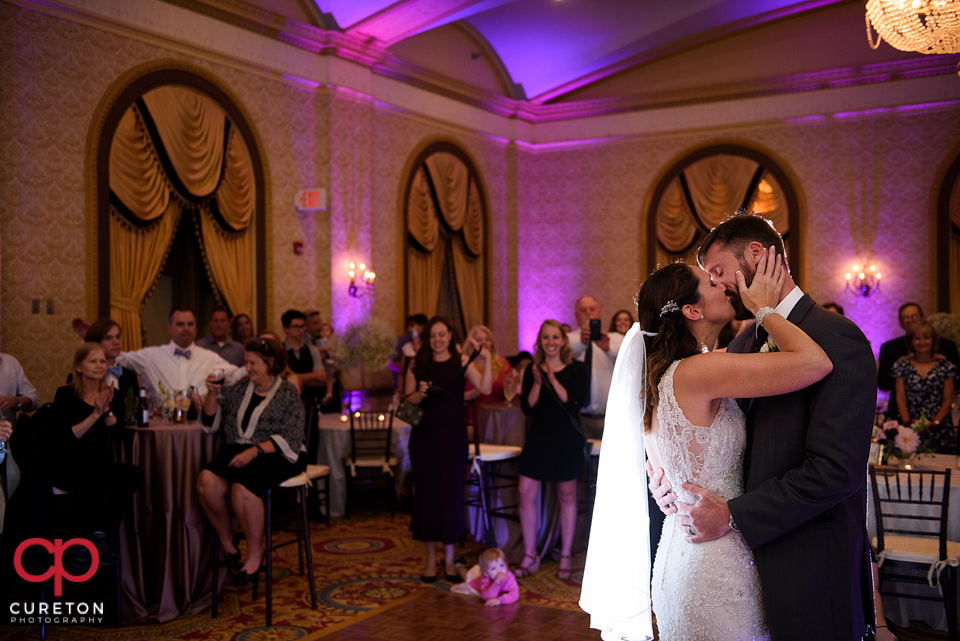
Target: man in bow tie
point(179, 364)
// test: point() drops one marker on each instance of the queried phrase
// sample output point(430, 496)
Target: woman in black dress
point(124, 381)
point(554, 387)
point(82, 456)
point(262, 418)
point(438, 445)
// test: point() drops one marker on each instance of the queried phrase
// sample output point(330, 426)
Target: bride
point(668, 381)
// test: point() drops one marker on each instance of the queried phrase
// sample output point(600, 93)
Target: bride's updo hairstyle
point(673, 340)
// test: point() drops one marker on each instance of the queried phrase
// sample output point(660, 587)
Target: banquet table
point(166, 545)
point(504, 423)
point(334, 447)
point(902, 611)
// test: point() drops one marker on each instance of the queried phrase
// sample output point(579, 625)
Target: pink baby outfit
point(508, 591)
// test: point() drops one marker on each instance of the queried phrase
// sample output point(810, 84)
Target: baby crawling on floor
point(490, 579)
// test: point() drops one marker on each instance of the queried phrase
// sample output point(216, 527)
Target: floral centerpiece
point(903, 441)
point(366, 344)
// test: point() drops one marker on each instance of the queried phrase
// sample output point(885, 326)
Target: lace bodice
point(711, 457)
point(704, 590)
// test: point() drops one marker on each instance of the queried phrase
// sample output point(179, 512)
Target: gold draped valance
point(473, 225)
point(676, 228)
point(422, 221)
point(228, 258)
point(718, 185)
point(771, 203)
point(235, 197)
point(191, 127)
point(450, 180)
point(135, 173)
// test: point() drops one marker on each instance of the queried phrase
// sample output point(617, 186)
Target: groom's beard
point(742, 313)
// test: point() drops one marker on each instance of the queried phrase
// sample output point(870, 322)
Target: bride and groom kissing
point(758, 459)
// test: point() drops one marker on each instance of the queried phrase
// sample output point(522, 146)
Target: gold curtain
point(136, 258)
point(228, 258)
point(676, 228)
point(718, 184)
point(424, 273)
point(191, 128)
point(771, 203)
point(236, 196)
point(473, 225)
point(135, 173)
point(450, 180)
point(422, 221)
point(468, 271)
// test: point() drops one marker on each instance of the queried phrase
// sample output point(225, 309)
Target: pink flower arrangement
point(907, 441)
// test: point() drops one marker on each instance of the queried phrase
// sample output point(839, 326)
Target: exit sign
point(311, 199)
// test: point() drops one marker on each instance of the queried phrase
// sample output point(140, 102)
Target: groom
point(804, 508)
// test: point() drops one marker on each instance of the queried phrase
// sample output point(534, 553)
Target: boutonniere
point(769, 346)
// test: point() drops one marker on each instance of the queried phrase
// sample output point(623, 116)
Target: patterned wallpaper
point(865, 187)
point(563, 220)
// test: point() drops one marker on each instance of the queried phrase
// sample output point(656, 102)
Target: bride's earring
point(701, 315)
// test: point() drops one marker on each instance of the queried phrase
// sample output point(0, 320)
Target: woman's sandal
point(522, 571)
point(564, 574)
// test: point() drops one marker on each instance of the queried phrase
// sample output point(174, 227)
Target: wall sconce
point(863, 280)
point(361, 280)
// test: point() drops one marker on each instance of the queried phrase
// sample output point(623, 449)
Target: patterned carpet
point(360, 565)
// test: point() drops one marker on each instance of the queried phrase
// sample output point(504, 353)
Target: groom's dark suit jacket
point(804, 509)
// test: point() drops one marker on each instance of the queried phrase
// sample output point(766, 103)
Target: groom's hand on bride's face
point(662, 490)
point(708, 518)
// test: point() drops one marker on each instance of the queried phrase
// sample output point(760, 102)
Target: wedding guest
point(554, 387)
point(833, 307)
point(178, 365)
point(924, 386)
point(621, 322)
point(437, 444)
point(490, 580)
point(17, 394)
point(314, 325)
point(600, 356)
point(405, 349)
point(287, 374)
point(241, 329)
point(262, 418)
point(124, 381)
point(81, 452)
point(324, 343)
point(910, 314)
point(218, 341)
point(483, 337)
point(303, 357)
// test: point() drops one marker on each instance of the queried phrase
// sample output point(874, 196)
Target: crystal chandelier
point(925, 26)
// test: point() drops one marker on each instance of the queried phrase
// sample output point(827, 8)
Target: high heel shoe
point(243, 578)
point(522, 571)
point(564, 573)
point(231, 561)
point(451, 578)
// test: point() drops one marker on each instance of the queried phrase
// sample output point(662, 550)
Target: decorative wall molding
point(241, 36)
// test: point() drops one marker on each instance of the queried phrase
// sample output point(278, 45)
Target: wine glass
point(219, 375)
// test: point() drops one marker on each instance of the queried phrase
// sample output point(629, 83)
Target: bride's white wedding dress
point(704, 590)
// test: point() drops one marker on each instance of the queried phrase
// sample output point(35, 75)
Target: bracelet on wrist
point(763, 312)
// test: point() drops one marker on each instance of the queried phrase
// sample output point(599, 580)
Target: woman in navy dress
point(438, 445)
point(924, 386)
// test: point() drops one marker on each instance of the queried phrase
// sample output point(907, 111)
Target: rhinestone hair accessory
point(670, 307)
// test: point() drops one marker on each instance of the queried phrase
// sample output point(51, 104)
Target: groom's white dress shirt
point(789, 302)
point(160, 364)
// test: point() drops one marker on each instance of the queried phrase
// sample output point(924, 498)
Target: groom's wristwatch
point(733, 524)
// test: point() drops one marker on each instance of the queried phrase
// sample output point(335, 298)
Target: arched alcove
point(946, 238)
point(154, 122)
point(445, 237)
point(708, 185)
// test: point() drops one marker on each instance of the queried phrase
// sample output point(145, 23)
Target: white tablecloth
point(902, 611)
point(334, 447)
